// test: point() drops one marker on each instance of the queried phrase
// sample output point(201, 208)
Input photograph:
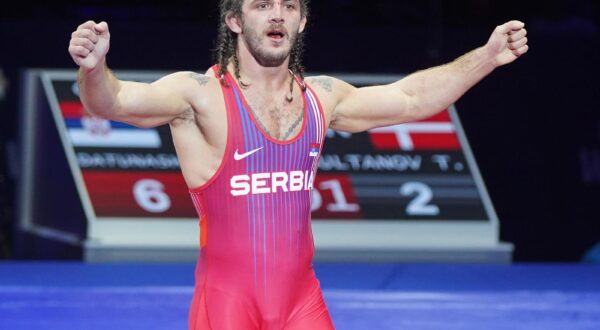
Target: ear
point(302, 24)
point(234, 23)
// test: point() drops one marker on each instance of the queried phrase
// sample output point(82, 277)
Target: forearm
point(99, 91)
point(435, 89)
point(425, 93)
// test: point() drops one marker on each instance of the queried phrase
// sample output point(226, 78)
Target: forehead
point(247, 2)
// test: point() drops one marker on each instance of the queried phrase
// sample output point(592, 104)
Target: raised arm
point(424, 93)
point(104, 95)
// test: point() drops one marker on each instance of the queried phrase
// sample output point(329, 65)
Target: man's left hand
point(508, 42)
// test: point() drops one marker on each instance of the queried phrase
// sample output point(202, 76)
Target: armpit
point(187, 117)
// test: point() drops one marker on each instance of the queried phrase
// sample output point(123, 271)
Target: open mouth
point(276, 35)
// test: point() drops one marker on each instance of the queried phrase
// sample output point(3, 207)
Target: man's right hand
point(89, 44)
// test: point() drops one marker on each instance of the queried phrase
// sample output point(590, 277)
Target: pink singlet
point(255, 266)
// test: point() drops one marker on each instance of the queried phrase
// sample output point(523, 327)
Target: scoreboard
point(416, 171)
point(128, 172)
point(414, 184)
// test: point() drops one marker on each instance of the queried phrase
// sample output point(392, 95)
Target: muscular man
point(248, 135)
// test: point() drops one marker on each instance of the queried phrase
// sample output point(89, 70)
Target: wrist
point(99, 68)
point(487, 57)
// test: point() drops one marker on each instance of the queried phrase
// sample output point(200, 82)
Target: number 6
point(150, 196)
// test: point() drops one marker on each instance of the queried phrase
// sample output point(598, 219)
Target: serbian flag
point(314, 150)
point(88, 131)
point(435, 133)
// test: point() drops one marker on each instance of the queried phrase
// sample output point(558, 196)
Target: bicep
point(369, 107)
point(152, 104)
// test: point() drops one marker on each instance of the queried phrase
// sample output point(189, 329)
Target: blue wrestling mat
point(359, 296)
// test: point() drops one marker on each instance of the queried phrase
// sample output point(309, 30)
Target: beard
point(265, 57)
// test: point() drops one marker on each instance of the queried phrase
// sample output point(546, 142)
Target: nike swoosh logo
point(238, 156)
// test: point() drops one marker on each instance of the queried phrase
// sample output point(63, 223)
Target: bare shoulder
point(185, 79)
point(330, 90)
point(324, 83)
point(210, 72)
point(189, 84)
point(197, 90)
point(328, 84)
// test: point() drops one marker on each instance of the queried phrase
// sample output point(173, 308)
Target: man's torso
point(200, 137)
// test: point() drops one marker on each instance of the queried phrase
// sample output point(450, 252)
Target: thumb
point(101, 27)
point(511, 26)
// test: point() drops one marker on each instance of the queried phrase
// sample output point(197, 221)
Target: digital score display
point(412, 171)
point(416, 171)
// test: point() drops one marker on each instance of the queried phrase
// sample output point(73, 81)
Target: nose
point(277, 14)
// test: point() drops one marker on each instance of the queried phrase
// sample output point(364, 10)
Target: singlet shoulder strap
point(216, 69)
point(300, 82)
point(227, 79)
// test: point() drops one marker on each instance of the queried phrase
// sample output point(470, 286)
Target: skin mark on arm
point(189, 115)
point(325, 83)
point(200, 78)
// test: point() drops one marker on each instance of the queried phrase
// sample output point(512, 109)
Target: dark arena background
point(533, 128)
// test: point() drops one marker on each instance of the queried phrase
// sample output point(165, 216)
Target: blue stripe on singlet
point(294, 149)
point(272, 196)
point(258, 200)
point(248, 143)
point(255, 200)
point(300, 205)
point(288, 198)
point(305, 146)
point(244, 122)
point(264, 168)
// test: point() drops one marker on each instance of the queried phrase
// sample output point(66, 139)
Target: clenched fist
point(89, 44)
point(508, 42)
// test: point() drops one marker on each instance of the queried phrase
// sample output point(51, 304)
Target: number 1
point(340, 202)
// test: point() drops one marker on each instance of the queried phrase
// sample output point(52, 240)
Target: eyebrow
point(254, 1)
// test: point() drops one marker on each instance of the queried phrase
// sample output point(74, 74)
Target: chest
point(256, 154)
point(279, 117)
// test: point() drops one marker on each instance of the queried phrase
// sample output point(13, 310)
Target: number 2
point(419, 206)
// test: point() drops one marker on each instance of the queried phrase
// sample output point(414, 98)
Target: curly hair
point(226, 47)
